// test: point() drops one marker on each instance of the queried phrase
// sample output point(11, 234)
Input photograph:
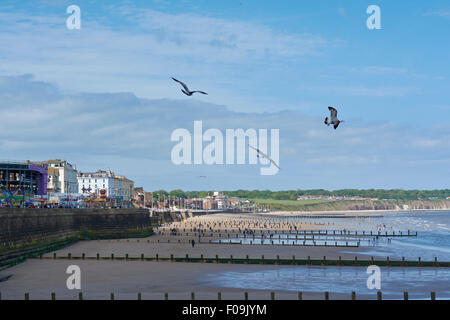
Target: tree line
point(397, 194)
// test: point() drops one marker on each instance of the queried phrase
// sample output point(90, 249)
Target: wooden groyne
point(245, 296)
point(263, 261)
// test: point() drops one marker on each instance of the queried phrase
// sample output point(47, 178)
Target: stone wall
point(25, 225)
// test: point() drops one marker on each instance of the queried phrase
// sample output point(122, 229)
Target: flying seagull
point(186, 90)
point(263, 155)
point(333, 118)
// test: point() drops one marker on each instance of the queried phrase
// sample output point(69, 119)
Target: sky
point(102, 96)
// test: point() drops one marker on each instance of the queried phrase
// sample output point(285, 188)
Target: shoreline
point(344, 211)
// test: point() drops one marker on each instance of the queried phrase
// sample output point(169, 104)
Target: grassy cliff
point(344, 205)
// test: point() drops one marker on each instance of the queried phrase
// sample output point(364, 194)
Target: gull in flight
point(186, 90)
point(333, 118)
point(263, 155)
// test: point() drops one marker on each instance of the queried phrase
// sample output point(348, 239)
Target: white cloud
point(364, 91)
point(132, 135)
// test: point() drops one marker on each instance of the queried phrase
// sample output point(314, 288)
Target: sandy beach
point(41, 277)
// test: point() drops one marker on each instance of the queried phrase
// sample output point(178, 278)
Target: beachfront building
point(53, 182)
point(104, 183)
point(124, 188)
point(62, 177)
point(22, 178)
point(93, 182)
point(216, 201)
point(142, 198)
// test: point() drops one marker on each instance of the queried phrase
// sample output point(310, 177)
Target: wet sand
point(126, 279)
point(134, 249)
point(152, 279)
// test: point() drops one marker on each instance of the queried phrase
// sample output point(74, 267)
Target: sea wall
point(18, 225)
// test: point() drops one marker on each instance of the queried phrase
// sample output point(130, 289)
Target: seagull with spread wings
point(186, 90)
point(263, 155)
point(333, 118)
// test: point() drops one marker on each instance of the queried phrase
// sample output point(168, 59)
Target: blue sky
point(102, 96)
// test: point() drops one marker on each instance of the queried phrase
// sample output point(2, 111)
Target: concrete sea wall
point(19, 225)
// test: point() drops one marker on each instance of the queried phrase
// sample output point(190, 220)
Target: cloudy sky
point(102, 97)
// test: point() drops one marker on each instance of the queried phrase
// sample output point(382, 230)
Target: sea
point(432, 241)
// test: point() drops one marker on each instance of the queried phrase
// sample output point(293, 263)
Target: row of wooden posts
point(309, 232)
point(284, 242)
point(219, 296)
point(262, 260)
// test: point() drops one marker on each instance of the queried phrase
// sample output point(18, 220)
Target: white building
point(114, 186)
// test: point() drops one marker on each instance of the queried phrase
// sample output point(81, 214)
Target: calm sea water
point(433, 240)
point(419, 282)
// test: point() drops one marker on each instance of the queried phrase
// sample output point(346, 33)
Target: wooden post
point(379, 295)
point(433, 295)
point(300, 296)
point(405, 295)
point(353, 295)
